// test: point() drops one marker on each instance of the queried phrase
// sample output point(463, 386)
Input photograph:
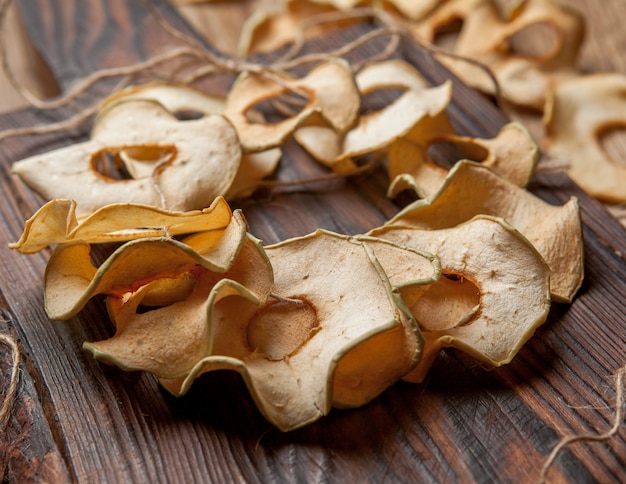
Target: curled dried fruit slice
point(202, 161)
point(411, 9)
point(330, 90)
point(379, 129)
point(254, 168)
point(273, 25)
point(577, 114)
point(377, 362)
point(512, 154)
point(184, 100)
point(71, 279)
point(335, 295)
point(177, 99)
point(169, 340)
point(494, 294)
point(472, 189)
point(415, 9)
point(56, 222)
point(338, 100)
point(486, 37)
point(250, 89)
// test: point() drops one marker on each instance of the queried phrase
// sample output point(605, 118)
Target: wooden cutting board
point(78, 420)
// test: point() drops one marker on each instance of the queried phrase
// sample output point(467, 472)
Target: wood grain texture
point(25, 63)
point(466, 423)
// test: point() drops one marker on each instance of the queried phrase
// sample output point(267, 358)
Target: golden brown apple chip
point(472, 189)
point(512, 154)
point(486, 37)
point(56, 223)
point(275, 24)
point(331, 295)
point(71, 278)
point(203, 160)
point(377, 362)
point(184, 101)
point(578, 114)
point(493, 294)
point(169, 340)
point(330, 90)
point(176, 98)
point(377, 130)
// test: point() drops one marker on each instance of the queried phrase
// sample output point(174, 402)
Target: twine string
point(617, 422)
point(10, 395)
point(211, 62)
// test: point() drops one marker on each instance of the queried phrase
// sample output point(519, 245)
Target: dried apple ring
point(204, 157)
point(56, 223)
point(288, 348)
point(377, 362)
point(512, 154)
point(184, 101)
point(578, 113)
point(169, 340)
point(379, 129)
point(330, 91)
point(274, 25)
point(472, 189)
point(510, 278)
point(177, 99)
point(485, 37)
point(71, 278)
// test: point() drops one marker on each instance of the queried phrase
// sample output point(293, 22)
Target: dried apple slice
point(501, 295)
point(329, 87)
point(577, 114)
point(379, 129)
point(337, 93)
point(168, 341)
point(415, 9)
point(56, 222)
point(376, 363)
point(287, 349)
point(273, 25)
point(472, 189)
point(410, 9)
point(204, 160)
point(251, 89)
point(182, 100)
point(253, 169)
point(512, 154)
point(486, 37)
point(71, 279)
point(173, 97)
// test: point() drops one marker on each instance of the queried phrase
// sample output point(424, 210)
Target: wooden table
point(78, 420)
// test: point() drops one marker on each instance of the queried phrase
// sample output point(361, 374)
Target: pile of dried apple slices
point(314, 322)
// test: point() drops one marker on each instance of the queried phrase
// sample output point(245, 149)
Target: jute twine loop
point(9, 395)
point(617, 423)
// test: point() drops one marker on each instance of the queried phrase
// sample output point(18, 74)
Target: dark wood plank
point(464, 424)
point(27, 446)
